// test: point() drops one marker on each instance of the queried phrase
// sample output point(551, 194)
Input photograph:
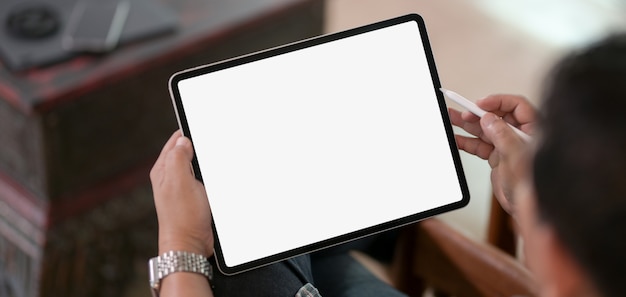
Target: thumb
point(180, 156)
point(499, 133)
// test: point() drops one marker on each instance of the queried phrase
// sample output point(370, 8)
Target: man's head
point(579, 170)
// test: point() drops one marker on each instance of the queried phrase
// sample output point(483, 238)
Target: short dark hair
point(579, 167)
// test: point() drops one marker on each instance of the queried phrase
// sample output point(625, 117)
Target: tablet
point(319, 142)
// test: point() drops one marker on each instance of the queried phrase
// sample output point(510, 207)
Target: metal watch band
point(176, 261)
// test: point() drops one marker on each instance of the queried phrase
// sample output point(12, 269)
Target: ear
point(564, 275)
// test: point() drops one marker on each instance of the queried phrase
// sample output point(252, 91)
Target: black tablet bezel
point(175, 94)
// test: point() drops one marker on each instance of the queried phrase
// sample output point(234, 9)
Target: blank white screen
point(320, 142)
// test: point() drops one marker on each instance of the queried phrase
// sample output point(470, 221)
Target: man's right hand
point(496, 142)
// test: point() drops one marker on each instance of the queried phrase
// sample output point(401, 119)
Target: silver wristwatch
point(176, 261)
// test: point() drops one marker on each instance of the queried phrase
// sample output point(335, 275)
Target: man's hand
point(496, 142)
point(181, 203)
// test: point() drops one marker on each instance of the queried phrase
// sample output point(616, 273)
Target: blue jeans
point(333, 272)
point(340, 275)
point(279, 279)
point(337, 274)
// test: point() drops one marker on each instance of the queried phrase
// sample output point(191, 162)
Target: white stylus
point(473, 108)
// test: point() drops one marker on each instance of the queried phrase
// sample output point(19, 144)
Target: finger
point(470, 117)
point(493, 160)
point(169, 145)
point(501, 102)
point(515, 109)
point(504, 139)
point(474, 146)
point(456, 118)
point(179, 157)
point(527, 127)
point(158, 164)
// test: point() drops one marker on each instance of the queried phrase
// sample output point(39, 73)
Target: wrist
point(181, 244)
point(191, 283)
point(178, 266)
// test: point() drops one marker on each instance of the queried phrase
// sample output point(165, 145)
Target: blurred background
point(80, 127)
point(484, 47)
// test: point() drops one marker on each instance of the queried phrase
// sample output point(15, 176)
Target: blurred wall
point(490, 46)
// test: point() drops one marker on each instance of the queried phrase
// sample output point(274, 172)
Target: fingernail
point(489, 118)
point(181, 141)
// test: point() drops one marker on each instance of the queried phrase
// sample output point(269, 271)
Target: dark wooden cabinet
point(77, 140)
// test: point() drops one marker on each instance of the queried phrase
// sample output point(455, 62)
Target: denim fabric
point(340, 275)
point(284, 278)
point(332, 271)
